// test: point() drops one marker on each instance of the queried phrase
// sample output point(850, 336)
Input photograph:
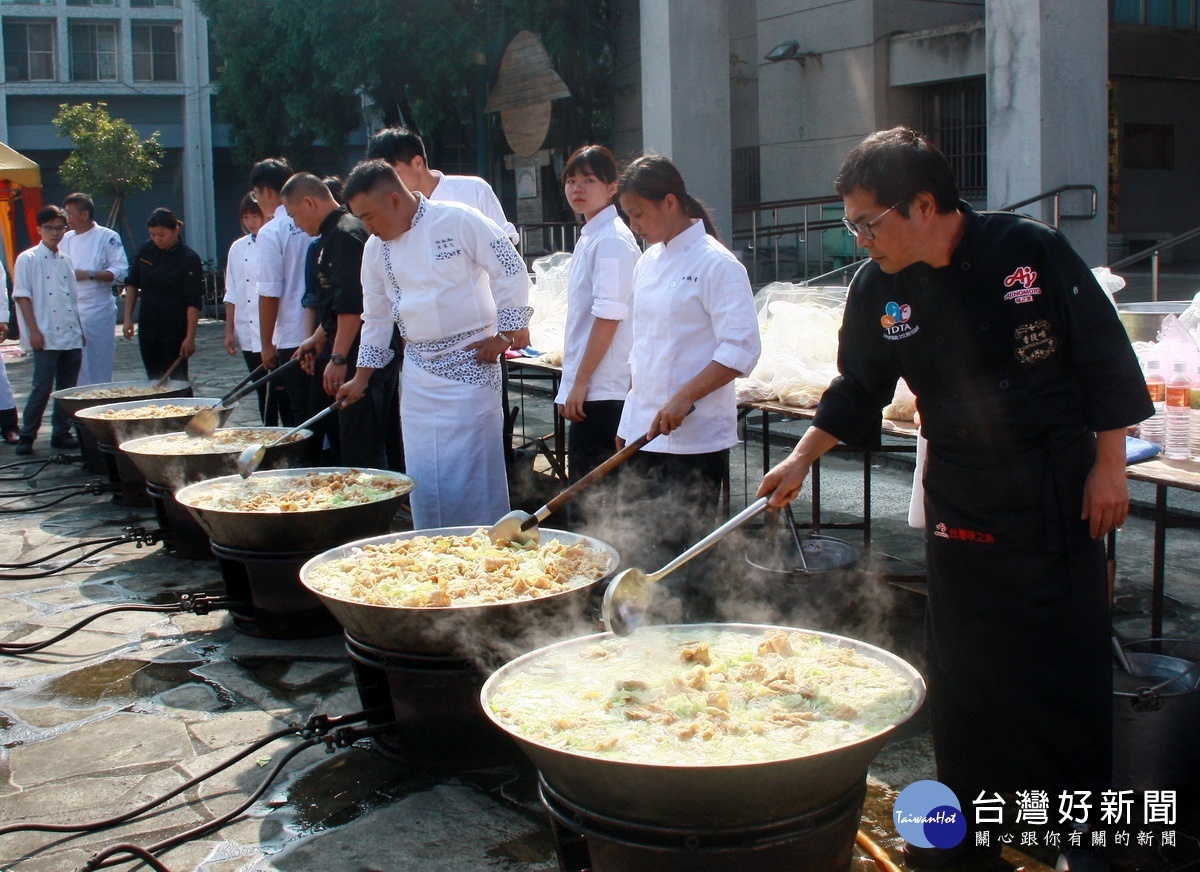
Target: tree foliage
point(297, 71)
point(109, 160)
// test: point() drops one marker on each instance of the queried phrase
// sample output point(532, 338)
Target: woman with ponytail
point(694, 331)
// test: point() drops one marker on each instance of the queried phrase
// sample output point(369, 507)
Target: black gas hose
point(140, 536)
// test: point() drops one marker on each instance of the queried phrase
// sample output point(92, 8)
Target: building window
point(151, 4)
point(91, 2)
point(26, 2)
point(29, 51)
point(747, 179)
point(1176, 14)
point(956, 121)
point(93, 51)
point(1148, 147)
point(156, 52)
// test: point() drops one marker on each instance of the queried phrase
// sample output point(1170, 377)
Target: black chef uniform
point(169, 283)
point(1017, 358)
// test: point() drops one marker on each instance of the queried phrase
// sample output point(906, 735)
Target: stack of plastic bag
point(548, 326)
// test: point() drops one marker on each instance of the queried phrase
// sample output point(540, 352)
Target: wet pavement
point(140, 703)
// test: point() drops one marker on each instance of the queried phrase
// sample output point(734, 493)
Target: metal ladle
point(249, 459)
point(204, 422)
point(628, 596)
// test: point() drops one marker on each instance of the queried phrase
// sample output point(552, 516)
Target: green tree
point(109, 159)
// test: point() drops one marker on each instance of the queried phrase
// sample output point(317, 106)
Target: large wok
point(114, 431)
point(71, 400)
point(469, 632)
point(177, 470)
point(290, 531)
point(697, 797)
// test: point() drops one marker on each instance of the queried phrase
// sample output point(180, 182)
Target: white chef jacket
point(692, 305)
point(600, 285)
point(48, 279)
point(453, 277)
point(473, 191)
point(282, 247)
point(97, 249)
point(241, 289)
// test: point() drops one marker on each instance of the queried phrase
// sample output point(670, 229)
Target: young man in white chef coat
point(100, 262)
point(452, 282)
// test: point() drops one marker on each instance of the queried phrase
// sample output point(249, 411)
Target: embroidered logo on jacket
point(1025, 277)
point(896, 321)
point(1034, 341)
point(961, 534)
point(446, 248)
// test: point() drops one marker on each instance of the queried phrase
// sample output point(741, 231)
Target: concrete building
point(148, 60)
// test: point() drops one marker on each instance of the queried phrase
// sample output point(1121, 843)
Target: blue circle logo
point(927, 814)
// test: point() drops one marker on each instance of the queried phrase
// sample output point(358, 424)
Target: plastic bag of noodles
point(548, 297)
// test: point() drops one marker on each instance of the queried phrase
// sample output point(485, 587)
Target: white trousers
point(453, 448)
point(98, 315)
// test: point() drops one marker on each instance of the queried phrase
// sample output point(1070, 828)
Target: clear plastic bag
point(548, 297)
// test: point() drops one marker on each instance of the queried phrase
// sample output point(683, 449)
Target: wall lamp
point(785, 51)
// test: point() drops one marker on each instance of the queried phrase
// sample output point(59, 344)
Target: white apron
point(98, 316)
point(454, 450)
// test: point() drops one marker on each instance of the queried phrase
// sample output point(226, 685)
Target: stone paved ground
point(139, 703)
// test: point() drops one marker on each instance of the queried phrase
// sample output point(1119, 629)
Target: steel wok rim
point(185, 494)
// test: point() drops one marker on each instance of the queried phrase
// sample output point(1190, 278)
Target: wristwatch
point(92, 274)
point(338, 359)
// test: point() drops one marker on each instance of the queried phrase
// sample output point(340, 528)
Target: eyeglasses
point(863, 228)
point(55, 228)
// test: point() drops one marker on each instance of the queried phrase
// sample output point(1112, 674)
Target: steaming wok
point(115, 430)
point(177, 470)
point(464, 631)
point(704, 796)
point(71, 400)
point(291, 531)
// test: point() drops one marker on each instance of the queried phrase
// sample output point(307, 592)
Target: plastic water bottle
point(1194, 402)
point(1154, 428)
point(1179, 413)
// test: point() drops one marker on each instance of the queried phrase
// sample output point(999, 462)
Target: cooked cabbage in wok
point(170, 410)
point(439, 571)
point(230, 440)
point(701, 699)
point(124, 393)
point(302, 492)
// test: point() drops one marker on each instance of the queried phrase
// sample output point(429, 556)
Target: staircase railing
point(1153, 253)
point(1057, 193)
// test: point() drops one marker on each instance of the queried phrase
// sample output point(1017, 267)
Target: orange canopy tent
point(20, 179)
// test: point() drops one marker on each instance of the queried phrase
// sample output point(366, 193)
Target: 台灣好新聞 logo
point(927, 814)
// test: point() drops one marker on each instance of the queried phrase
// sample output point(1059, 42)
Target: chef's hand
point(37, 339)
point(352, 391)
point(492, 349)
point(782, 484)
point(520, 338)
point(670, 416)
point(1106, 491)
point(126, 330)
point(572, 409)
point(3, 330)
point(188, 348)
point(308, 351)
point(270, 357)
point(231, 345)
point(335, 374)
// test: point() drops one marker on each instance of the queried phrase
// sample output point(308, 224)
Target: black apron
point(1017, 624)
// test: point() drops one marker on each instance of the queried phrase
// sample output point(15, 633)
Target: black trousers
point(359, 434)
point(1017, 624)
point(266, 409)
point(295, 383)
point(590, 442)
point(159, 350)
point(668, 502)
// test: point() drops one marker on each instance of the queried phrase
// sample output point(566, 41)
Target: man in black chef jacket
point(1025, 382)
point(362, 430)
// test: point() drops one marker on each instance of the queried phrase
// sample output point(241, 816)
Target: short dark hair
point(83, 201)
point(369, 175)
point(46, 214)
point(594, 159)
point(396, 145)
point(652, 177)
point(271, 172)
point(305, 185)
point(163, 217)
point(336, 186)
point(895, 165)
point(249, 205)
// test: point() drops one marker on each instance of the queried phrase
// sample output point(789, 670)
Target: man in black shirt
point(361, 435)
point(1025, 382)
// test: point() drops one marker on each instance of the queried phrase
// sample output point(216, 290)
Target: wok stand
point(128, 480)
point(183, 536)
point(281, 607)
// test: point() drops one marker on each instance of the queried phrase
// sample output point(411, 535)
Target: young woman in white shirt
point(599, 335)
point(241, 299)
point(694, 332)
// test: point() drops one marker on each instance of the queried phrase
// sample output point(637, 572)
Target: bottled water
point(1179, 413)
point(1194, 402)
point(1154, 428)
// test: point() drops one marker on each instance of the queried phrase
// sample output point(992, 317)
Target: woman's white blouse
point(600, 285)
point(692, 305)
point(241, 289)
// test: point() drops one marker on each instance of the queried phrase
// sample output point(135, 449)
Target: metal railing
point(1057, 193)
point(772, 223)
point(547, 237)
point(1153, 252)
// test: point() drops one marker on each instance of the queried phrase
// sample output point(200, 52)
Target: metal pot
point(177, 470)
point(71, 400)
point(1143, 320)
point(291, 531)
point(716, 796)
point(470, 632)
point(114, 431)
